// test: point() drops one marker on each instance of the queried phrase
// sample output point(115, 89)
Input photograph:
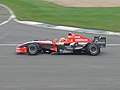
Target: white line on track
point(13, 45)
point(8, 45)
point(12, 15)
point(113, 44)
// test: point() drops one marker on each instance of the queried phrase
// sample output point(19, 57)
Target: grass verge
point(41, 11)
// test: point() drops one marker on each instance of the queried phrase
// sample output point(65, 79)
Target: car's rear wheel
point(32, 49)
point(93, 49)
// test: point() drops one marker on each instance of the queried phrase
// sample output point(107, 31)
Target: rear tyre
point(32, 49)
point(93, 49)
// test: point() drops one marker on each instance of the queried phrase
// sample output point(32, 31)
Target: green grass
point(41, 11)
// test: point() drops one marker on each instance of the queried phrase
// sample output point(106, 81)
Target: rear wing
point(101, 41)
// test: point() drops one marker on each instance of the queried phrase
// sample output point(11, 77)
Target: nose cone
point(21, 49)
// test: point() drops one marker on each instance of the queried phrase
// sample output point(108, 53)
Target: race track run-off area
point(54, 72)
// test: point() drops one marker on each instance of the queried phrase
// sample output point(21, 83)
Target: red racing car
point(72, 44)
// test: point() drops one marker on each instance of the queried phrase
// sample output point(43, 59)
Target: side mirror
point(55, 41)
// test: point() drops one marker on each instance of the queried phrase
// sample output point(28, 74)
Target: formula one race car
point(72, 44)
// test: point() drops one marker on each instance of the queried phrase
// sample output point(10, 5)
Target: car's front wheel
point(32, 49)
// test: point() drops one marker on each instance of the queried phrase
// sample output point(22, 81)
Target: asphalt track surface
point(55, 72)
point(4, 14)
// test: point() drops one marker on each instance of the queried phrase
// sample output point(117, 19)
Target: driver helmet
point(69, 33)
point(62, 39)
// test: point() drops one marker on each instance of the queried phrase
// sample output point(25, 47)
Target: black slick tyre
point(93, 49)
point(32, 49)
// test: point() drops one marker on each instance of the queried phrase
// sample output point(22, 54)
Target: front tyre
point(93, 49)
point(32, 49)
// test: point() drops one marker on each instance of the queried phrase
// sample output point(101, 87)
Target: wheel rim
point(93, 50)
point(32, 49)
